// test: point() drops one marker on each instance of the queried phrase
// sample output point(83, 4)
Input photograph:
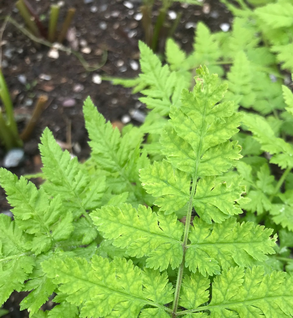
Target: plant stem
point(54, 14)
point(5, 134)
point(146, 22)
point(184, 247)
point(10, 123)
point(280, 182)
point(28, 18)
point(159, 23)
point(37, 20)
point(66, 24)
point(42, 100)
point(175, 25)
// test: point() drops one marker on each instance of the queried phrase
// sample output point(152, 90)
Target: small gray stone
point(13, 158)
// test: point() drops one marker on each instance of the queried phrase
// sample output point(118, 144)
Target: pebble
point(8, 53)
point(45, 77)
point(128, 4)
point(225, 27)
point(214, 14)
point(137, 115)
point(123, 69)
point(77, 88)
point(125, 119)
point(103, 25)
point(120, 63)
point(97, 79)
point(22, 79)
point(190, 25)
point(8, 213)
point(94, 9)
point(206, 8)
point(138, 16)
point(28, 102)
point(132, 33)
point(53, 54)
point(86, 50)
point(134, 65)
point(69, 102)
point(172, 15)
point(13, 158)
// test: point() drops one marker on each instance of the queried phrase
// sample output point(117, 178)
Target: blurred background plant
point(160, 30)
point(34, 22)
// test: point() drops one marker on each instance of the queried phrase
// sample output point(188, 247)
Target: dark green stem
point(28, 18)
point(184, 247)
point(54, 14)
point(66, 24)
point(280, 182)
point(42, 100)
point(159, 23)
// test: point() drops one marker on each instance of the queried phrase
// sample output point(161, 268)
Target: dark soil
point(107, 33)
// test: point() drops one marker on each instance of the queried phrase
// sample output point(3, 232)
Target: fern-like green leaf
point(40, 287)
point(142, 232)
point(224, 245)
point(240, 81)
point(169, 185)
point(283, 213)
point(118, 156)
point(108, 289)
point(281, 150)
point(16, 260)
point(66, 177)
point(159, 79)
point(206, 49)
point(47, 219)
point(284, 55)
point(251, 294)
point(214, 199)
point(276, 15)
point(288, 97)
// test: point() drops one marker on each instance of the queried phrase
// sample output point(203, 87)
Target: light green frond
point(215, 199)
point(159, 79)
point(170, 186)
point(224, 245)
point(64, 310)
point(194, 291)
point(268, 94)
point(240, 81)
point(283, 212)
point(47, 219)
point(174, 55)
point(118, 156)
point(252, 294)
point(142, 232)
point(242, 38)
point(65, 176)
point(281, 150)
point(16, 260)
point(40, 287)
point(284, 55)
point(276, 15)
point(105, 289)
point(288, 98)
point(206, 49)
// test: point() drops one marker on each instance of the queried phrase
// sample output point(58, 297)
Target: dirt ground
point(106, 34)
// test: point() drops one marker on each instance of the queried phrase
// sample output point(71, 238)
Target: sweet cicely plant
point(130, 236)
